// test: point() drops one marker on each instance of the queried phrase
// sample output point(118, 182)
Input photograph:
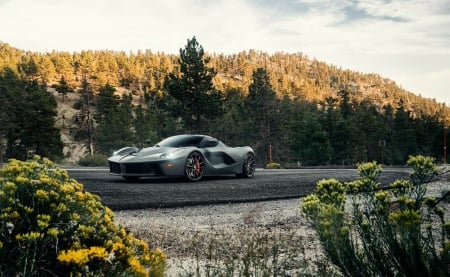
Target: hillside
point(73, 149)
point(307, 91)
point(295, 75)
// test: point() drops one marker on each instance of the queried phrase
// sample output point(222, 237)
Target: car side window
point(194, 141)
point(208, 142)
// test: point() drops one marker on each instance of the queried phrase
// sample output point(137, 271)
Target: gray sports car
point(189, 156)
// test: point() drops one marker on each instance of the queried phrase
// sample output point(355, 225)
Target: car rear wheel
point(195, 166)
point(249, 166)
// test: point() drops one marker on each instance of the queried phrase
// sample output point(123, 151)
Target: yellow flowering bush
point(49, 226)
point(399, 223)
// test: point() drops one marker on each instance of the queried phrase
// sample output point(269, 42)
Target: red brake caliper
point(197, 166)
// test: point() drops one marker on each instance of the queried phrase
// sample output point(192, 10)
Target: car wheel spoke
point(195, 166)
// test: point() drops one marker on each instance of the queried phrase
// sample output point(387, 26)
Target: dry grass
point(250, 239)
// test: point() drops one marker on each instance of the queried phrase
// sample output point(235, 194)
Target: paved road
point(119, 194)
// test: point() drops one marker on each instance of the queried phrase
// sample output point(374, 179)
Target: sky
point(407, 41)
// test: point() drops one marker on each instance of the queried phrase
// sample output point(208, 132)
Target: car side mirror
point(148, 142)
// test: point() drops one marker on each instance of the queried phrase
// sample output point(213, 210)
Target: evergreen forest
point(291, 109)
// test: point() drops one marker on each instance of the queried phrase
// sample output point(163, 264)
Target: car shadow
point(176, 180)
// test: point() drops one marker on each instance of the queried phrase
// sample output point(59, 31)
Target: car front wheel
point(195, 166)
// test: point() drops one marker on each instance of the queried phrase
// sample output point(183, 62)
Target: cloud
point(390, 37)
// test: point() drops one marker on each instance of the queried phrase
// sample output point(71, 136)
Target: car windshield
point(180, 141)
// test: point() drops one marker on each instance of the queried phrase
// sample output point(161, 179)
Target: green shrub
point(50, 227)
point(397, 232)
point(94, 160)
point(274, 166)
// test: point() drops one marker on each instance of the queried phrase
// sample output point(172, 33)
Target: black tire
point(194, 167)
point(249, 166)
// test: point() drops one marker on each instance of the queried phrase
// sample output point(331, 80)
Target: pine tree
point(144, 126)
point(10, 94)
point(85, 117)
point(114, 131)
point(308, 140)
point(106, 102)
point(113, 120)
point(263, 105)
point(39, 132)
point(403, 137)
point(28, 125)
point(232, 126)
point(198, 102)
point(153, 119)
point(63, 87)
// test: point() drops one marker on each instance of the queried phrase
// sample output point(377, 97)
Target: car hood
point(152, 151)
point(145, 154)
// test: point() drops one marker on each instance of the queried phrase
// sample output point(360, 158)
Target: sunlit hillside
point(306, 91)
point(295, 75)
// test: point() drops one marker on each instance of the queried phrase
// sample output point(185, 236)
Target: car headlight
point(160, 156)
point(156, 156)
point(169, 155)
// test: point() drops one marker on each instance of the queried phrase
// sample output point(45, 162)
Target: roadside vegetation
point(370, 232)
point(94, 160)
point(49, 226)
